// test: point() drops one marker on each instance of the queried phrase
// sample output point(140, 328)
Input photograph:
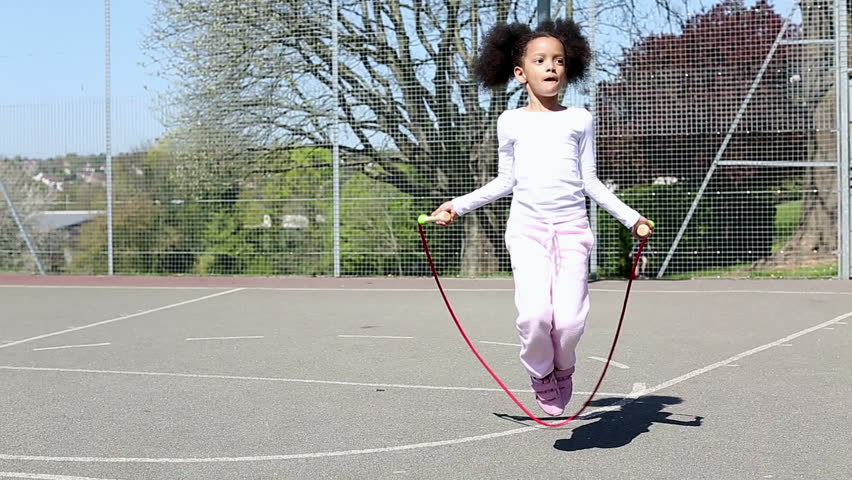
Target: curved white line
point(631, 397)
point(263, 458)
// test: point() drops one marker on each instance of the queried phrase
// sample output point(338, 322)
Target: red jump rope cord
point(494, 375)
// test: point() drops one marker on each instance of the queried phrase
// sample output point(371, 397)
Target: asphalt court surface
point(361, 378)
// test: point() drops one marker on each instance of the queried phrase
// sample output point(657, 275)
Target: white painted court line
point(739, 356)
point(118, 319)
point(195, 339)
point(608, 290)
point(71, 346)
point(276, 379)
point(391, 290)
point(716, 292)
point(628, 399)
point(44, 476)
point(266, 458)
point(113, 287)
point(611, 362)
point(501, 343)
point(374, 336)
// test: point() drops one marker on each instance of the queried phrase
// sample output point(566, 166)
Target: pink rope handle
point(494, 375)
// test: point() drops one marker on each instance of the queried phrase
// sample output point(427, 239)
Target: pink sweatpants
point(550, 269)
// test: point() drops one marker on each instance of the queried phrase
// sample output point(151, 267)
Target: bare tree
point(412, 115)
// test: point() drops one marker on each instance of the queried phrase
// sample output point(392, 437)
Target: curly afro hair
point(504, 46)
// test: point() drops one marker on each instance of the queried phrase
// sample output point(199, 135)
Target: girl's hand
point(446, 207)
point(642, 221)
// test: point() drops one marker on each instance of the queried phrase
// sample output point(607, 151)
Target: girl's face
point(543, 70)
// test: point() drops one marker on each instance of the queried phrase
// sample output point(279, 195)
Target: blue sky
point(52, 76)
point(52, 81)
point(54, 49)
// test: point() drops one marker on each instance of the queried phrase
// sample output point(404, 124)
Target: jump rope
point(643, 231)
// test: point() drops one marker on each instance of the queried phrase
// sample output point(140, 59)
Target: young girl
point(546, 159)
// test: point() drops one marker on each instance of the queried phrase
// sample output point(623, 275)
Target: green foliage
point(378, 232)
point(715, 237)
point(667, 206)
point(278, 221)
point(225, 250)
point(787, 218)
point(296, 198)
point(132, 241)
point(81, 196)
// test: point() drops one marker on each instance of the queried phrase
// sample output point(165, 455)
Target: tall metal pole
point(108, 133)
point(593, 98)
point(844, 216)
point(543, 10)
point(335, 139)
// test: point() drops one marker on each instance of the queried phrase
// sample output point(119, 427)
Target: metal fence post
point(543, 10)
point(593, 103)
point(108, 132)
point(335, 138)
point(841, 52)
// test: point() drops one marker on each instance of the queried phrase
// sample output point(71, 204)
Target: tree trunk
point(479, 257)
point(816, 235)
point(482, 227)
point(815, 239)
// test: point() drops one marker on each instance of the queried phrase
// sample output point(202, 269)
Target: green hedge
point(667, 206)
point(727, 228)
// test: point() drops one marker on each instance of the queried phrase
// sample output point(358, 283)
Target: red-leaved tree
point(672, 108)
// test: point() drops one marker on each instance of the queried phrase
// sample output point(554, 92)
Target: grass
point(744, 270)
point(787, 217)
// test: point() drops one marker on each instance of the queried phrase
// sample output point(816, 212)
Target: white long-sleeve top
point(546, 160)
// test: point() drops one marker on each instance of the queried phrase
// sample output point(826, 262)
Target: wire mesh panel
point(304, 138)
point(724, 132)
point(377, 95)
point(53, 189)
point(241, 184)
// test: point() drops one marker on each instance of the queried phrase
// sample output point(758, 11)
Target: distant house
point(51, 182)
point(90, 174)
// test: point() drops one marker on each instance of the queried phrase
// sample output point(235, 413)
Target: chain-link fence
point(304, 138)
